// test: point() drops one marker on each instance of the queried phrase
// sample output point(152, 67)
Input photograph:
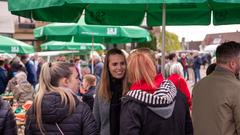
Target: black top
point(115, 105)
point(3, 80)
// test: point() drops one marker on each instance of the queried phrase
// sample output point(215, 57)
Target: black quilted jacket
point(7, 119)
point(138, 118)
point(54, 114)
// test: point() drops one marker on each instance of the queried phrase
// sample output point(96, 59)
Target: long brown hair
point(104, 87)
point(50, 75)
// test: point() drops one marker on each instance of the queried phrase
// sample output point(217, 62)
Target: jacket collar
point(225, 71)
point(142, 85)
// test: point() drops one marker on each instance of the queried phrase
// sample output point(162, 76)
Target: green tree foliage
point(151, 45)
point(172, 43)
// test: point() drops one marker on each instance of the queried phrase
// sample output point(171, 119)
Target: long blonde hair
point(50, 75)
point(142, 66)
point(104, 87)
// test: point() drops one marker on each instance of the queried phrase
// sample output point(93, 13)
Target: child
point(88, 89)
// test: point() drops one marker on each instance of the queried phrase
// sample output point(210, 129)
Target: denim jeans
point(197, 74)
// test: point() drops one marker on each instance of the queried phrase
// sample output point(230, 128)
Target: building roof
point(219, 38)
point(193, 45)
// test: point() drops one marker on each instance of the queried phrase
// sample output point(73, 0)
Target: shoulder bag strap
point(178, 84)
point(59, 129)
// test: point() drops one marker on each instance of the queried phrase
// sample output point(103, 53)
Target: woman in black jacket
point(153, 106)
point(7, 119)
point(57, 109)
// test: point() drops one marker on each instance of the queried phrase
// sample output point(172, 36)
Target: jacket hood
point(21, 76)
point(52, 109)
point(164, 112)
point(161, 102)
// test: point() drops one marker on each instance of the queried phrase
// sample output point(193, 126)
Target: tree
point(151, 45)
point(172, 43)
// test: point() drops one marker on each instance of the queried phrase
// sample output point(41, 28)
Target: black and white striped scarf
point(163, 96)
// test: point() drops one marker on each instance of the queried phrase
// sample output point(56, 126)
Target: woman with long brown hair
point(113, 85)
point(152, 106)
point(56, 108)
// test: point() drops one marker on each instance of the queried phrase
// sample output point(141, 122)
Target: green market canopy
point(128, 12)
point(13, 46)
point(84, 48)
point(82, 32)
point(71, 46)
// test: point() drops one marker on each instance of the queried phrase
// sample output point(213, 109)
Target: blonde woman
point(152, 106)
point(113, 85)
point(56, 108)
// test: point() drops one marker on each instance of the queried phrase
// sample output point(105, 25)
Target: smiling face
point(117, 66)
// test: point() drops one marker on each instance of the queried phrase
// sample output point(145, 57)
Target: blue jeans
point(197, 74)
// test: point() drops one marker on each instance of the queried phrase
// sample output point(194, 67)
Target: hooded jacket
point(22, 90)
point(55, 118)
point(162, 112)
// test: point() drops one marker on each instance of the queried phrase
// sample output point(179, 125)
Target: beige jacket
point(216, 104)
point(22, 90)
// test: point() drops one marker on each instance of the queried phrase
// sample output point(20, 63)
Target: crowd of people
point(124, 95)
point(190, 63)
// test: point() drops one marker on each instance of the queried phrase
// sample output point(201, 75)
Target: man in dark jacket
point(98, 66)
point(7, 119)
point(3, 77)
point(31, 71)
point(197, 62)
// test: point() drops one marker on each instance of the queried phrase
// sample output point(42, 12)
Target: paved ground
point(191, 77)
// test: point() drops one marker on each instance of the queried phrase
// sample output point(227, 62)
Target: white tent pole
point(163, 37)
point(48, 58)
point(92, 54)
